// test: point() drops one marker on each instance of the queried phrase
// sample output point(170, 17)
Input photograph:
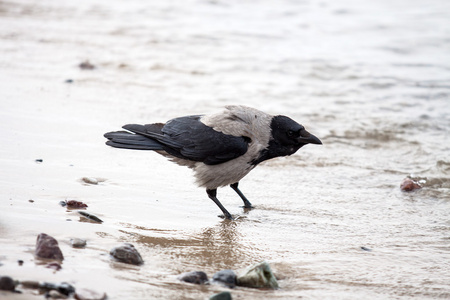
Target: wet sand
point(370, 79)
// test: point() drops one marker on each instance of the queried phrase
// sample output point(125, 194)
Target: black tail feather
point(127, 140)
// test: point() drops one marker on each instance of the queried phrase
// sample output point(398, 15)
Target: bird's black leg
point(247, 203)
point(212, 195)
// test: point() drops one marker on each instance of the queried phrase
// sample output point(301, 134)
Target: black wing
point(188, 138)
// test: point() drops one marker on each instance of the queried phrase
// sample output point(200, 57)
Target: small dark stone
point(69, 81)
point(31, 200)
point(39, 160)
point(196, 277)
point(225, 277)
point(78, 243)
point(126, 253)
point(66, 289)
point(90, 180)
point(365, 248)
point(86, 65)
point(221, 296)
point(90, 216)
point(63, 288)
point(47, 247)
point(7, 283)
point(20, 262)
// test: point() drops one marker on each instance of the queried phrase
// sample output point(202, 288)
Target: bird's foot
point(226, 217)
point(247, 204)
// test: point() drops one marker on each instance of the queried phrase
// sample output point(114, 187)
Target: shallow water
point(370, 78)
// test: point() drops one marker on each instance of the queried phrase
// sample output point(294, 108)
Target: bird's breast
point(214, 176)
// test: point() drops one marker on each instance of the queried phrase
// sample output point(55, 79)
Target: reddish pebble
point(409, 185)
point(47, 247)
point(75, 204)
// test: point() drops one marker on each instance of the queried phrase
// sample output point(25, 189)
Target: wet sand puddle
point(370, 79)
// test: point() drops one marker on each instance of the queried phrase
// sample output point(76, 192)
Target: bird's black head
point(287, 136)
point(290, 135)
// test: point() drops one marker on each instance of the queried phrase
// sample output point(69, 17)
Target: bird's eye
point(290, 133)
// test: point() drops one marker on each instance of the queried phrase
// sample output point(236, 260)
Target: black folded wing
point(190, 139)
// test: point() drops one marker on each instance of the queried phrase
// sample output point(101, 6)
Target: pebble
point(78, 243)
point(257, 276)
point(90, 180)
point(47, 247)
point(409, 185)
point(90, 216)
point(7, 283)
point(75, 204)
point(221, 296)
point(63, 288)
point(225, 277)
point(85, 294)
point(86, 65)
point(196, 277)
point(126, 253)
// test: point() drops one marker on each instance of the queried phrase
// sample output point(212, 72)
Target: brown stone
point(47, 247)
point(409, 185)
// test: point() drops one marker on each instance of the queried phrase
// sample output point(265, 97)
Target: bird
point(221, 148)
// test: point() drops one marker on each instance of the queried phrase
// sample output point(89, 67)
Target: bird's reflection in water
point(217, 247)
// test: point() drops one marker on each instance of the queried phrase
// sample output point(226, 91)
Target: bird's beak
point(308, 138)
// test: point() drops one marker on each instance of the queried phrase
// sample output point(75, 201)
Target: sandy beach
point(371, 79)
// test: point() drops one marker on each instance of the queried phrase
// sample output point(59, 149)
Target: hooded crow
point(220, 148)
